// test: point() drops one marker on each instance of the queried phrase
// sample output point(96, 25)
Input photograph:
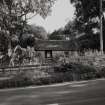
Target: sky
point(62, 12)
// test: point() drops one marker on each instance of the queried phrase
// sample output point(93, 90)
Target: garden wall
point(95, 59)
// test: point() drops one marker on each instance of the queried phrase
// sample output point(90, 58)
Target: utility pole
point(101, 28)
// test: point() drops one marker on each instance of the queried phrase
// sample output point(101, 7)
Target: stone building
point(50, 49)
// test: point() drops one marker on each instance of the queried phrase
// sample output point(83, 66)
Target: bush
point(101, 73)
point(77, 71)
point(62, 73)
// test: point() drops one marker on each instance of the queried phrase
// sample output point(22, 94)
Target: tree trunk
point(101, 28)
point(9, 48)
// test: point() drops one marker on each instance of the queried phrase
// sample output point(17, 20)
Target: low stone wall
point(35, 71)
point(96, 61)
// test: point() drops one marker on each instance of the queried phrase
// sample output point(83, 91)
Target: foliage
point(76, 68)
point(57, 34)
point(88, 41)
point(63, 73)
point(54, 36)
point(14, 14)
point(32, 33)
point(13, 21)
point(70, 29)
point(101, 73)
point(3, 42)
point(87, 14)
point(87, 18)
point(38, 32)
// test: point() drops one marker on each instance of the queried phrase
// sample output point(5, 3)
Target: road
point(75, 93)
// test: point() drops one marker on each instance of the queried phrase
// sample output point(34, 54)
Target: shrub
point(101, 73)
point(62, 73)
point(78, 70)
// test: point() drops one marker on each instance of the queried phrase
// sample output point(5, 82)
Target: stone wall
point(96, 61)
point(95, 58)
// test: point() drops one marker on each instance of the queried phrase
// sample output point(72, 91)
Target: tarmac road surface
point(74, 93)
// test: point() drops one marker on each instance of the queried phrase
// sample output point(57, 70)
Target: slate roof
point(55, 45)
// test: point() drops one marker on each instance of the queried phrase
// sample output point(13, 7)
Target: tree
point(14, 14)
point(70, 29)
point(57, 34)
point(88, 15)
point(3, 43)
point(38, 31)
point(31, 34)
